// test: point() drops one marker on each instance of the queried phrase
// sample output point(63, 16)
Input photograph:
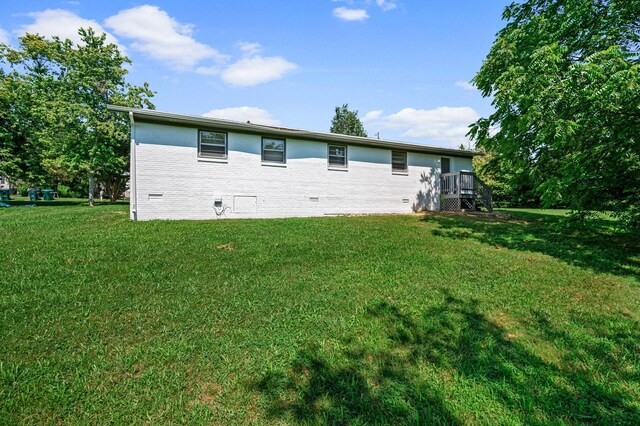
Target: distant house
point(4, 182)
point(194, 167)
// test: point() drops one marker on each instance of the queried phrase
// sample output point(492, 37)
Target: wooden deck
point(464, 191)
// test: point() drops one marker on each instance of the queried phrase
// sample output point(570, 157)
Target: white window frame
point(209, 154)
point(284, 150)
point(346, 160)
point(406, 163)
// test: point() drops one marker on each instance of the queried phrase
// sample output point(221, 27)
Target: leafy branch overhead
point(565, 82)
point(56, 126)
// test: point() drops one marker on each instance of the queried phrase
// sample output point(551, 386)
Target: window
point(212, 144)
point(273, 150)
point(398, 162)
point(337, 156)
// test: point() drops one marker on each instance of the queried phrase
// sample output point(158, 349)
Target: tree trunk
point(114, 186)
point(91, 189)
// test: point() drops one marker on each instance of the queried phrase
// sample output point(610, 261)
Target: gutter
point(133, 196)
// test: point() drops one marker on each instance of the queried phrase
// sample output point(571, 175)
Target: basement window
point(273, 151)
point(399, 162)
point(212, 144)
point(337, 156)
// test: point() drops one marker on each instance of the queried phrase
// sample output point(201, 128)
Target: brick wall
point(173, 183)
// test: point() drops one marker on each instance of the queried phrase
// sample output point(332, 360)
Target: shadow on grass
point(595, 244)
point(452, 365)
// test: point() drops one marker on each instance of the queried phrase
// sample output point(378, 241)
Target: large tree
point(68, 87)
point(346, 122)
point(21, 96)
point(565, 80)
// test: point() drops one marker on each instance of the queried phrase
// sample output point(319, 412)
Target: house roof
point(153, 116)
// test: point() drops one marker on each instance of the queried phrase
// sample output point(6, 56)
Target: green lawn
point(442, 319)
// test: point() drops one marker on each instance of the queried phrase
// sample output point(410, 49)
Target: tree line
point(54, 125)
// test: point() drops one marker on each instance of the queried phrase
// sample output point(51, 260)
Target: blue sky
point(404, 64)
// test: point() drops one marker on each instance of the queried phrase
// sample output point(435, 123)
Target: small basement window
point(273, 150)
point(212, 144)
point(337, 156)
point(399, 162)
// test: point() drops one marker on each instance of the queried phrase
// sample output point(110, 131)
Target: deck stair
point(464, 191)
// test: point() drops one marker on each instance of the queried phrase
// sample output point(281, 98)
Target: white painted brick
point(167, 164)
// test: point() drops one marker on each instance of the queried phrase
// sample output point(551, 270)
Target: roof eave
point(147, 115)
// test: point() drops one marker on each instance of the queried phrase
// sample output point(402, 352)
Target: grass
point(439, 319)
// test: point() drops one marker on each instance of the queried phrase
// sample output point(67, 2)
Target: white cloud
point(372, 115)
point(160, 36)
point(446, 124)
point(256, 70)
point(64, 24)
point(212, 70)
point(244, 113)
point(465, 85)
point(4, 37)
point(249, 48)
point(386, 4)
point(347, 14)
point(153, 31)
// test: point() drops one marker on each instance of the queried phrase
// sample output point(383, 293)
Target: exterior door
point(445, 165)
point(449, 183)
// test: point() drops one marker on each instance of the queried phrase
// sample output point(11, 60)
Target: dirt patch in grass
point(208, 394)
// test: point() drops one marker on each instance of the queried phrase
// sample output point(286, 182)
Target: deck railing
point(466, 186)
point(458, 183)
point(483, 194)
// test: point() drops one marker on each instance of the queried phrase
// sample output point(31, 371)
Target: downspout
point(133, 197)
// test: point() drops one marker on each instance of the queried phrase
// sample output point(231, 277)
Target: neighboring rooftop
point(154, 116)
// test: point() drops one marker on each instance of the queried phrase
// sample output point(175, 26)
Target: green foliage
point(565, 81)
point(509, 188)
point(346, 122)
point(56, 127)
point(66, 191)
point(21, 155)
point(446, 319)
point(22, 188)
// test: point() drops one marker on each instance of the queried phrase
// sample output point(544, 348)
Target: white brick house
point(194, 167)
